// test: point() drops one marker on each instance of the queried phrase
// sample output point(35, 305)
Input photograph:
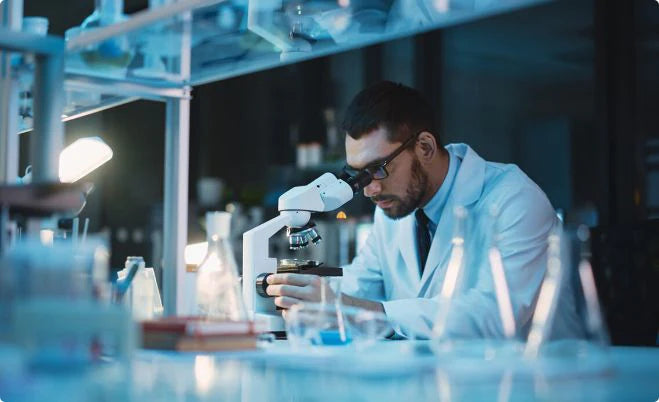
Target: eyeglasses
point(378, 171)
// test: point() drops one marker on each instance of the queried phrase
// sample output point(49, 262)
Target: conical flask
point(567, 312)
point(454, 273)
point(219, 295)
point(502, 292)
point(548, 298)
point(594, 323)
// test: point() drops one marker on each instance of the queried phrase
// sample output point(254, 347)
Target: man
point(417, 185)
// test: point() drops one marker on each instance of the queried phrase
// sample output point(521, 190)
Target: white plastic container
point(143, 296)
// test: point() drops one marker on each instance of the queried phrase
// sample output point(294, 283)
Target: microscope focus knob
point(262, 284)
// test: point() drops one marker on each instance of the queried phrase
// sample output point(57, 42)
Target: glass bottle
point(219, 294)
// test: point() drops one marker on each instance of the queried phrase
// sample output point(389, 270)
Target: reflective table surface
point(400, 371)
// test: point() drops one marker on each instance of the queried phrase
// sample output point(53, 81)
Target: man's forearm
point(362, 303)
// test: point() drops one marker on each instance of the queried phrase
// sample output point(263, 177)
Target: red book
point(198, 326)
point(196, 333)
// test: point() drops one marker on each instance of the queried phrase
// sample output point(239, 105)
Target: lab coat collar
point(466, 190)
point(434, 208)
point(469, 182)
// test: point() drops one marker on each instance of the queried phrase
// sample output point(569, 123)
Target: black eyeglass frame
point(381, 167)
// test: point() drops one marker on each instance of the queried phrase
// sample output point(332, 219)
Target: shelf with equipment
point(161, 52)
point(142, 54)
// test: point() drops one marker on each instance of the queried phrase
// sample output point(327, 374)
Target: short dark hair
point(401, 110)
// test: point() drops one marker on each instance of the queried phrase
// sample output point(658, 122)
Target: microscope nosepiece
point(314, 236)
point(300, 237)
point(296, 241)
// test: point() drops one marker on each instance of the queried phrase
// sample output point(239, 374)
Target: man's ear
point(426, 147)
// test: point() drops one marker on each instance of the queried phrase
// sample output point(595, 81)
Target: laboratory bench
point(388, 370)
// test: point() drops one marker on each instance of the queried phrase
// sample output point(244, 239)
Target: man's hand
point(290, 289)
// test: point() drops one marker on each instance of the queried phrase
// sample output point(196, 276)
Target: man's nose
point(374, 188)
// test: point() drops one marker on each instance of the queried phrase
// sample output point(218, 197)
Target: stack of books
point(197, 334)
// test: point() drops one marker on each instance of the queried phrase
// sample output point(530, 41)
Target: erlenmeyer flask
point(594, 323)
point(547, 303)
point(498, 272)
point(219, 294)
point(454, 273)
point(567, 313)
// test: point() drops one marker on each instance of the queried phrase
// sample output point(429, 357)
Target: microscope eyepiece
point(358, 181)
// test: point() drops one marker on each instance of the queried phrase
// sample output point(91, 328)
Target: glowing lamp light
point(82, 157)
point(341, 215)
point(47, 237)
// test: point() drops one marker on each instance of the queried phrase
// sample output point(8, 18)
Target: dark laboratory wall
point(244, 126)
point(126, 204)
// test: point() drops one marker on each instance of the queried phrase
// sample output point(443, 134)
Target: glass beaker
point(316, 324)
point(44, 292)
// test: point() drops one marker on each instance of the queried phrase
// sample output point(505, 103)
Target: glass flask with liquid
point(219, 295)
point(110, 56)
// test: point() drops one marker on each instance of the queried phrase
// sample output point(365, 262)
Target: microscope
point(295, 206)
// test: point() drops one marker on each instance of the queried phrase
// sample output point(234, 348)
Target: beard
point(416, 189)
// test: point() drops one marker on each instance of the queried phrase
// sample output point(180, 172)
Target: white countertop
point(396, 371)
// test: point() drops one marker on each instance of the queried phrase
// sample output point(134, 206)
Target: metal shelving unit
point(191, 42)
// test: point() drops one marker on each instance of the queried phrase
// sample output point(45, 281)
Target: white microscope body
point(326, 193)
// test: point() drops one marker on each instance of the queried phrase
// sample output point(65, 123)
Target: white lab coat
point(387, 268)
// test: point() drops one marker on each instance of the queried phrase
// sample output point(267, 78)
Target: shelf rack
point(184, 43)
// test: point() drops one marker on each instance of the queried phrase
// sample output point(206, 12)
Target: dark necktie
point(422, 237)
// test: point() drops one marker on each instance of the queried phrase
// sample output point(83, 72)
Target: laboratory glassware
point(54, 307)
point(112, 56)
point(324, 324)
point(566, 287)
point(218, 286)
point(497, 269)
point(595, 327)
point(454, 273)
point(142, 295)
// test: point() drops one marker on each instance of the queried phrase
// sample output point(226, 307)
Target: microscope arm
point(256, 260)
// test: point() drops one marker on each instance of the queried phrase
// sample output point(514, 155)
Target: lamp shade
point(82, 157)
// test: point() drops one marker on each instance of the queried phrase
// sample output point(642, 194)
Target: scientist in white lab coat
point(416, 186)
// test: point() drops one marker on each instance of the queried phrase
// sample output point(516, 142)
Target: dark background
point(569, 91)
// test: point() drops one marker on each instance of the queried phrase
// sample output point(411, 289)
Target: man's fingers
point(287, 290)
point(286, 302)
point(291, 279)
